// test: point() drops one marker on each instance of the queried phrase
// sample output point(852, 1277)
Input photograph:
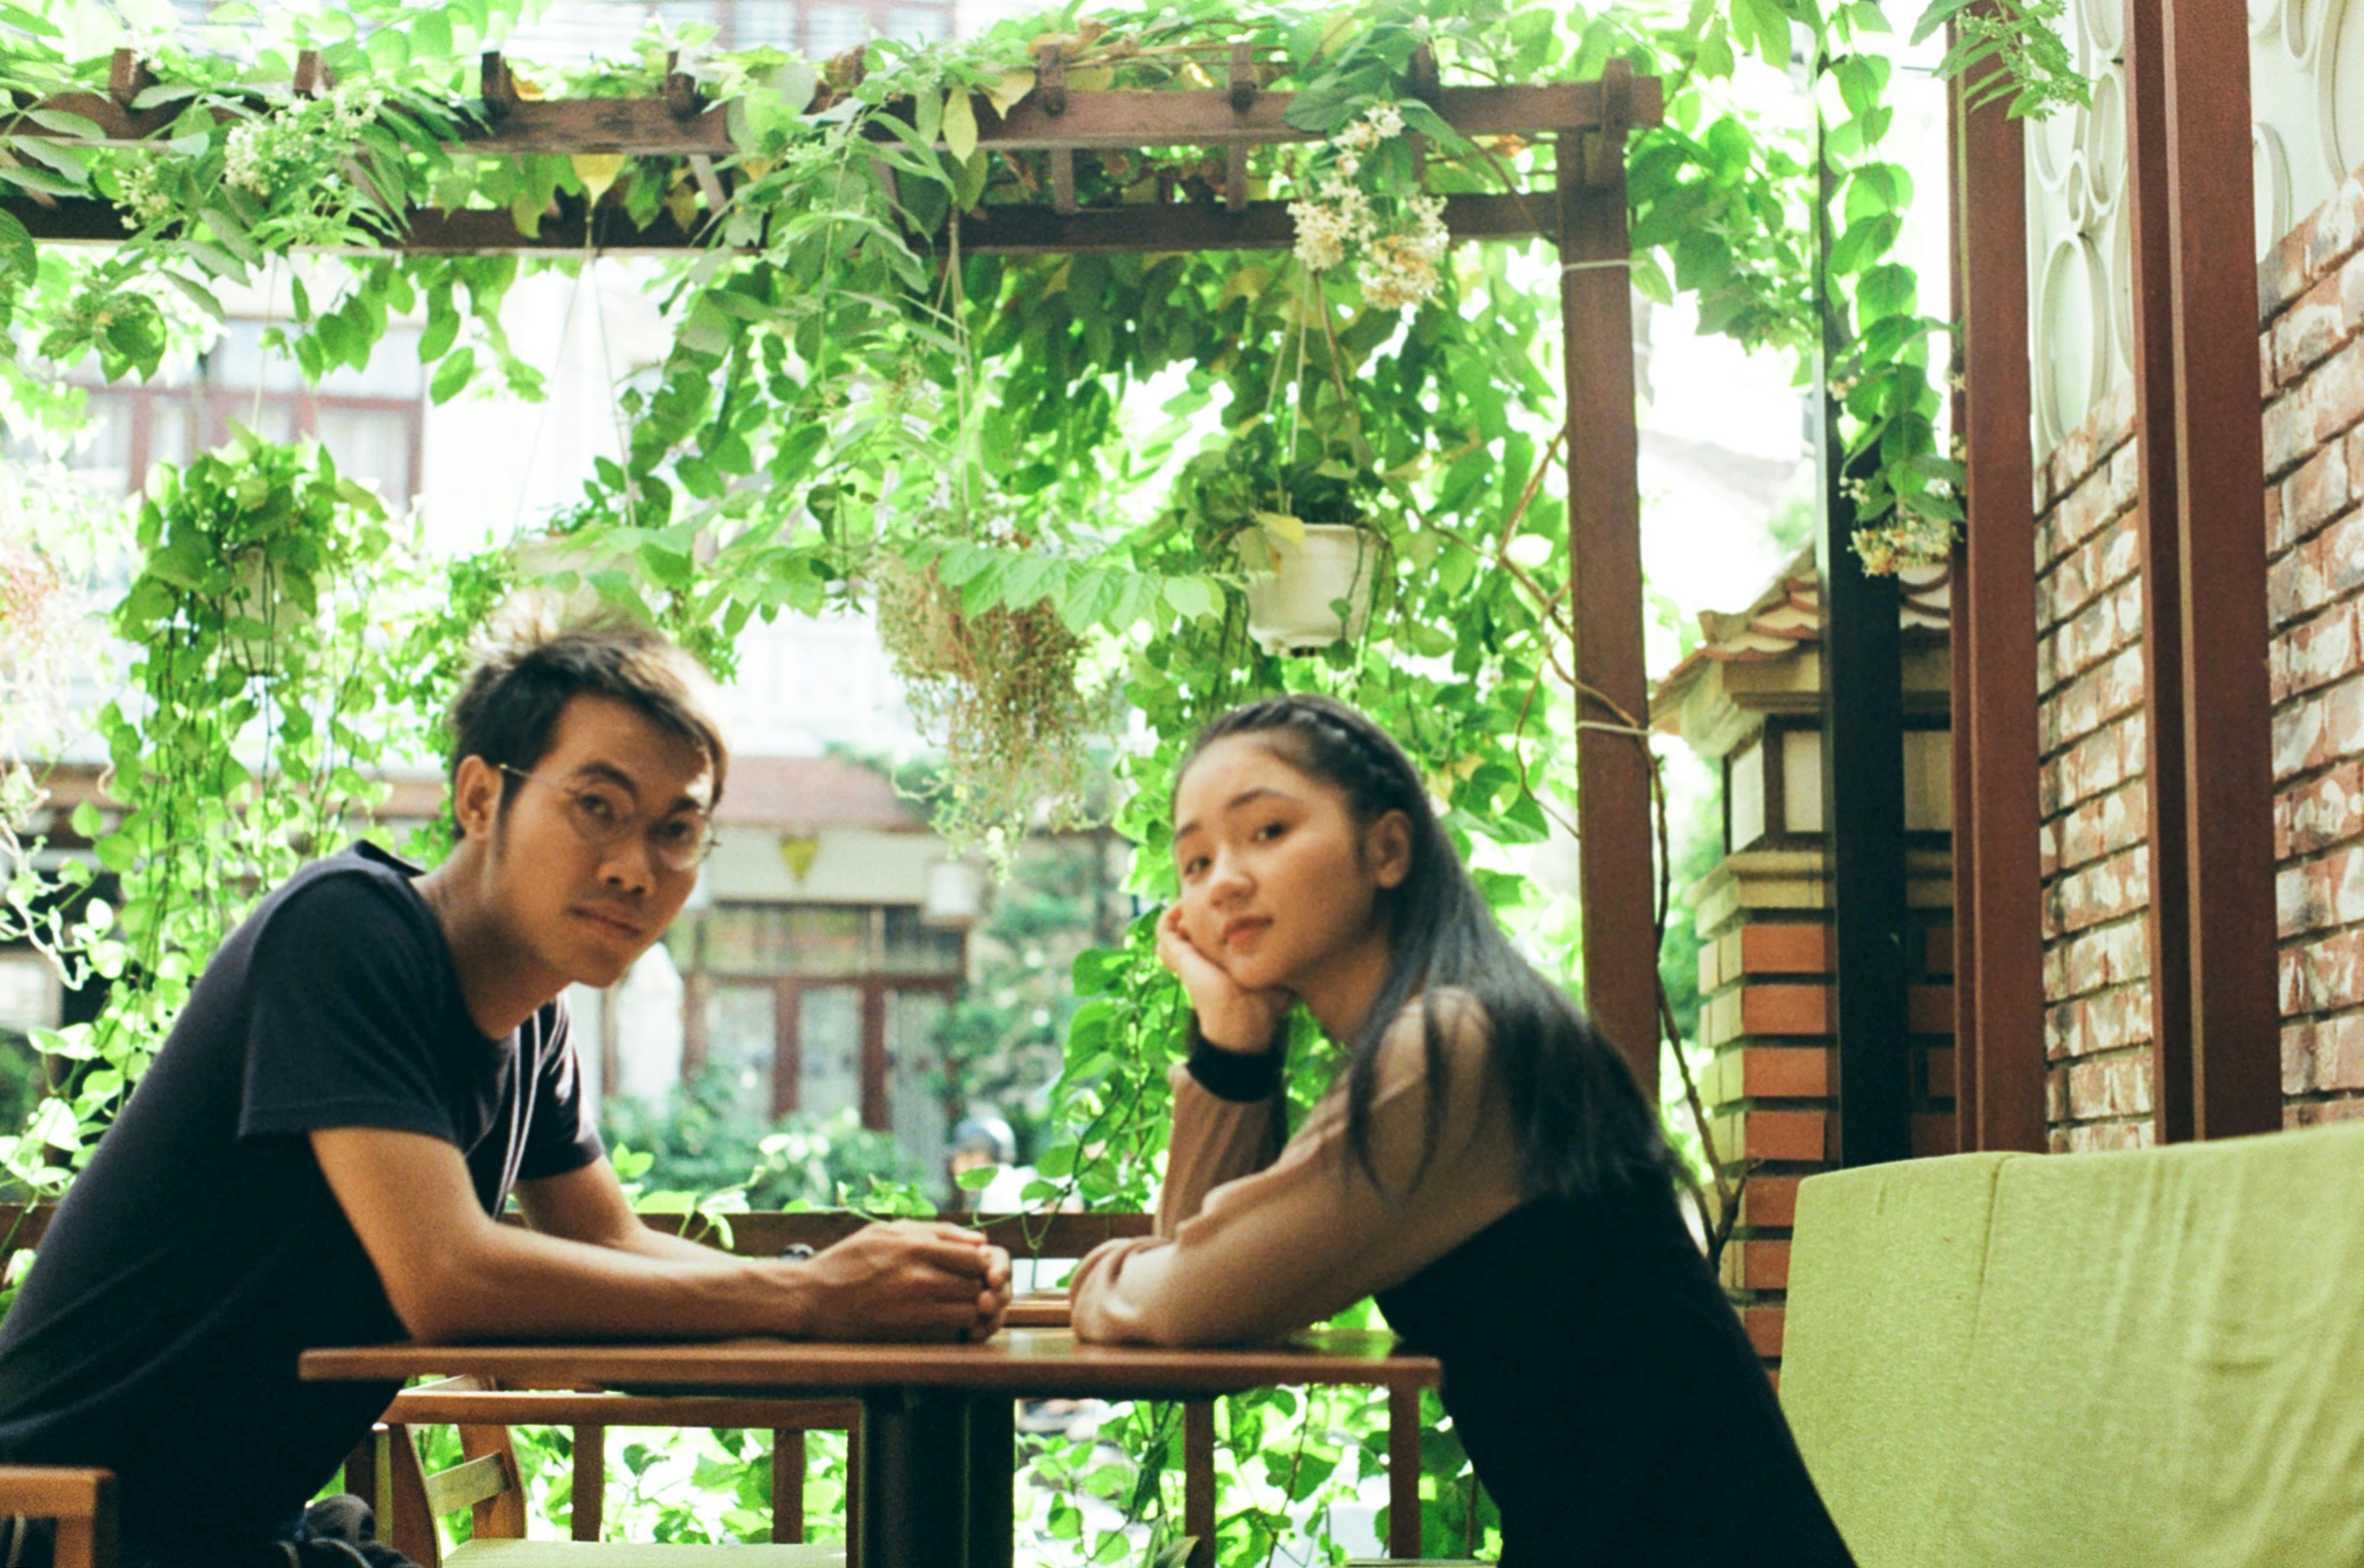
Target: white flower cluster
point(299, 142)
point(1905, 540)
point(139, 180)
point(1405, 264)
point(262, 154)
point(1340, 221)
point(1406, 255)
point(353, 107)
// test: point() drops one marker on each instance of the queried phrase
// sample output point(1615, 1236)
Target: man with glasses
point(372, 1064)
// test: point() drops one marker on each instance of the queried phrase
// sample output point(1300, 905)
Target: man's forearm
point(646, 1241)
point(508, 1283)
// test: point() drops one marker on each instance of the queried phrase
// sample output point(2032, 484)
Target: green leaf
point(978, 1179)
point(39, 27)
point(452, 374)
point(389, 51)
point(65, 124)
point(37, 180)
point(960, 124)
point(431, 35)
point(162, 93)
point(1191, 596)
point(198, 295)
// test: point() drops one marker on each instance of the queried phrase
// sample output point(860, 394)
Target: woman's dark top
point(1603, 1387)
point(1607, 1395)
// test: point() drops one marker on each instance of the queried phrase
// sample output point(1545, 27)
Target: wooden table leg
point(914, 1461)
point(992, 1481)
point(1404, 1473)
point(1198, 1480)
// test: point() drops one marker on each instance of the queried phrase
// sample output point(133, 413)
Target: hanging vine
point(850, 405)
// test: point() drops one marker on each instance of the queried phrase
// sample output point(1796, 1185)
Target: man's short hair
point(531, 665)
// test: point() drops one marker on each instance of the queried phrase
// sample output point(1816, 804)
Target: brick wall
point(2312, 290)
point(2096, 867)
point(2090, 737)
point(1764, 982)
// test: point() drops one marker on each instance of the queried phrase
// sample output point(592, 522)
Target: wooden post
point(1614, 822)
point(1198, 1480)
point(1962, 660)
point(2158, 537)
point(1863, 816)
point(2235, 1016)
point(2002, 865)
point(128, 76)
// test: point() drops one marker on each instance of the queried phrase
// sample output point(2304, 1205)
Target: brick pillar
point(1766, 1013)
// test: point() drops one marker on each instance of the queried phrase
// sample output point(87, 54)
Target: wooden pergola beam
point(1100, 121)
point(996, 230)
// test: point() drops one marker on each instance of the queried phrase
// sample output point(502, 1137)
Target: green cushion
point(2169, 1366)
point(2110, 1360)
point(1883, 1297)
point(637, 1554)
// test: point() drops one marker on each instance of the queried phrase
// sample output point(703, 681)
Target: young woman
point(1486, 1166)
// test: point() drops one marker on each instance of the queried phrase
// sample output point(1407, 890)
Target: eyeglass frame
point(624, 827)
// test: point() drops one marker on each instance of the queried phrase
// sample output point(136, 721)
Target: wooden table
point(937, 1458)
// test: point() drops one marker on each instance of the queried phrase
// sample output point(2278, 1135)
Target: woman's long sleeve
point(1245, 1251)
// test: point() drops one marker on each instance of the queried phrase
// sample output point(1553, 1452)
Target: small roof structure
point(1766, 658)
point(813, 793)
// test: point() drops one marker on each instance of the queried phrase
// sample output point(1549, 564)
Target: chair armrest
point(81, 1502)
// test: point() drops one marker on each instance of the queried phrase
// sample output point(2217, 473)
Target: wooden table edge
point(1018, 1361)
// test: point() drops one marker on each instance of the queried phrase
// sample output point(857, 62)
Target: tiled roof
point(813, 793)
point(1787, 615)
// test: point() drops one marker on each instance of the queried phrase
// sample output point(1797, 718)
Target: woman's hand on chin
point(1230, 1017)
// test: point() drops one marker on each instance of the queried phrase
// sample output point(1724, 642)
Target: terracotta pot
point(1294, 589)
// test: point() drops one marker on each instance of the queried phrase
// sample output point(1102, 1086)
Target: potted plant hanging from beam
point(1308, 535)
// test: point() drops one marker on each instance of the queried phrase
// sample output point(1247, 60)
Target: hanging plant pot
point(1295, 587)
point(266, 603)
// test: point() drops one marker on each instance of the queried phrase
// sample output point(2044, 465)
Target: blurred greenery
point(702, 1142)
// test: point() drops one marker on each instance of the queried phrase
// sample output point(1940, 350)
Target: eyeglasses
point(603, 815)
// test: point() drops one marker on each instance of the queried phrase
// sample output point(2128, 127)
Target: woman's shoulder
point(1455, 1016)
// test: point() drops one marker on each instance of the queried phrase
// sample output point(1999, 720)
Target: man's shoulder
point(357, 900)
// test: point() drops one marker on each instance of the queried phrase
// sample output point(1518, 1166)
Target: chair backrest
point(408, 1500)
point(2137, 1358)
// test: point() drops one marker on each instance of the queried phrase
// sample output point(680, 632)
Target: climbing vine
point(1059, 452)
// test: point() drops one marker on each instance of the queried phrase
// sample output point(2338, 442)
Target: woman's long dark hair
point(1583, 1126)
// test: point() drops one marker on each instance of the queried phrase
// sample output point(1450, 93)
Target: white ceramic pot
point(1294, 590)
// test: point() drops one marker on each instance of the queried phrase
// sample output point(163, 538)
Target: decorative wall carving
point(2306, 77)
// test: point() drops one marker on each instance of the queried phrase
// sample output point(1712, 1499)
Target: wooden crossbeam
point(1120, 121)
point(675, 125)
point(1000, 230)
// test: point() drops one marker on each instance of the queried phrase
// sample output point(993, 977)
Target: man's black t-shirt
point(202, 1250)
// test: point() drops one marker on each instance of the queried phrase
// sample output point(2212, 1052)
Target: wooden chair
point(486, 1482)
point(80, 1502)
